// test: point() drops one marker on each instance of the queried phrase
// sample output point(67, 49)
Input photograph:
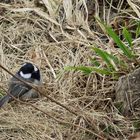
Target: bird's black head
point(28, 70)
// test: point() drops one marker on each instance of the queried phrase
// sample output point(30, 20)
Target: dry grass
point(54, 35)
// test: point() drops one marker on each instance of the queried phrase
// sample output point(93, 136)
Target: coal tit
point(29, 73)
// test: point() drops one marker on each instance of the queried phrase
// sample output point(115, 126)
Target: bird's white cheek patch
point(25, 76)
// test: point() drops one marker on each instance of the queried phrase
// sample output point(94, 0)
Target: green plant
point(113, 64)
point(88, 69)
point(138, 29)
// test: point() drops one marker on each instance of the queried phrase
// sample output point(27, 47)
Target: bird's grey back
point(16, 89)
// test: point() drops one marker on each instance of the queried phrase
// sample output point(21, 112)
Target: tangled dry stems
point(54, 35)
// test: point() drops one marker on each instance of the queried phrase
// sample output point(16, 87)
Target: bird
point(29, 73)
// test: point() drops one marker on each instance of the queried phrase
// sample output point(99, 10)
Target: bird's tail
point(4, 100)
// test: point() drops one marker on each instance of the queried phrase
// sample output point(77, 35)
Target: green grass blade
point(138, 30)
point(101, 71)
point(117, 40)
point(127, 36)
point(88, 70)
point(94, 62)
point(120, 44)
point(84, 69)
point(106, 57)
point(117, 61)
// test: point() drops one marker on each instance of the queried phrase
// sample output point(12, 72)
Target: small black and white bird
point(29, 73)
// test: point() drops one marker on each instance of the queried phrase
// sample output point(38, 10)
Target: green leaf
point(120, 44)
point(101, 71)
point(106, 57)
point(117, 61)
point(88, 70)
point(84, 69)
point(127, 36)
point(117, 40)
point(138, 30)
point(94, 62)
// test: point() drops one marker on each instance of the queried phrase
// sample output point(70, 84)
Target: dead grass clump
point(54, 35)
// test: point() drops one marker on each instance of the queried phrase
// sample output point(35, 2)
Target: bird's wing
point(4, 100)
point(17, 88)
